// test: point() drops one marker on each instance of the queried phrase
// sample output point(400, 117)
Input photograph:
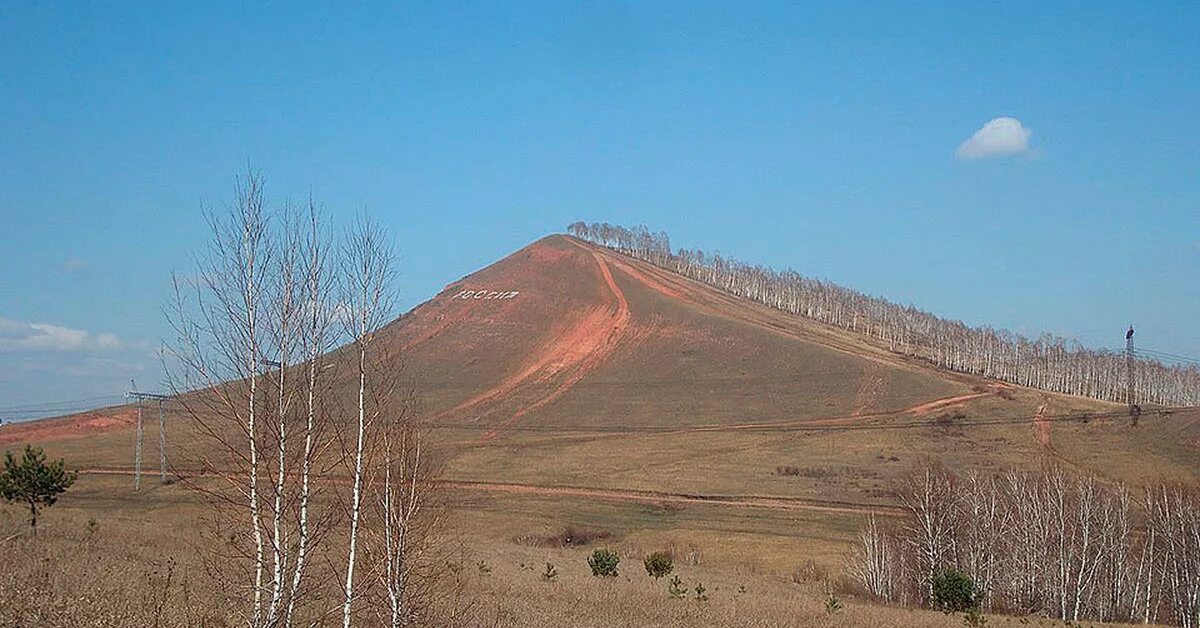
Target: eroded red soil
point(566, 357)
point(75, 426)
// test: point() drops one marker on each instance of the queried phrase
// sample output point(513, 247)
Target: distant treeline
point(1048, 363)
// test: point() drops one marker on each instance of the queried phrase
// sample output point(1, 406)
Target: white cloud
point(20, 336)
point(1000, 137)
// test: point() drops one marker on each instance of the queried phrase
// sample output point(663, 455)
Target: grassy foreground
point(110, 557)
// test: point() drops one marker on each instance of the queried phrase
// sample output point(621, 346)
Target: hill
point(570, 385)
point(566, 334)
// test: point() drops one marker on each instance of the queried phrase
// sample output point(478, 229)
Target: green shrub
point(604, 562)
point(974, 619)
point(677, 589)
point(954, 592)
point(658, 564)
point(32, 482)
point(833, 604)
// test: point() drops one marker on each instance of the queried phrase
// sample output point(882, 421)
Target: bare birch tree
point(928, 496)
point(1174, 517)
point(256, 304)
point(408, 514)
point(367, 303)
point(876, 564)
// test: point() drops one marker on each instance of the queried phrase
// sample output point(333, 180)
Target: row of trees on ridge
point(1048, 363)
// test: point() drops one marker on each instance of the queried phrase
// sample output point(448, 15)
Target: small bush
point(954, 592)
point(604, 562)
point(833, 604)
point(658, 564)
point(787, 470)
point(550, 573)
point(701, 595)
point(677, 590)
point(974, 619)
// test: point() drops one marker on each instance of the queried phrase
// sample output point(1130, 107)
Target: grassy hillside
point(611, 395)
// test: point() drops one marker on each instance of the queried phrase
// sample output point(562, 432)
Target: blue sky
point(824, 137)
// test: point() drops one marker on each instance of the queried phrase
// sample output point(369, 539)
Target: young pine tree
point(33, 482)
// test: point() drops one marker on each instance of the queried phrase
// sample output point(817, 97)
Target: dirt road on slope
point(657, 497)
point(767, 502)
point(564, 359)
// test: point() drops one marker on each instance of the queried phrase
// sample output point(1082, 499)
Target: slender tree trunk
point(356, 504)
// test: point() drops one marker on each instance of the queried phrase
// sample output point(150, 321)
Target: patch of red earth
point(64, 428)
point(570, 354)
point(654, 284)
point(541, 253)
point(432, 318)
point(1041, 427)
point(948, 402)
point(595, 342)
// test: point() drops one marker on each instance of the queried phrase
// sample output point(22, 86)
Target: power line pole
point(162, 442)
point(162, 434)
point(1130, 398)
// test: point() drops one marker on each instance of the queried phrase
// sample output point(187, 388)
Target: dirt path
point(1041, 426)
point(658, 497)
point(566, 358)
point(941, 404)
point(869, 389)
point(918, 410)
point(767, 502)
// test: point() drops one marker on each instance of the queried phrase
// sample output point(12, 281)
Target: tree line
point(1047, 363)
point(1041, 543)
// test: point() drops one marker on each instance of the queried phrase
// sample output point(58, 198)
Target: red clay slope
point(563, 334)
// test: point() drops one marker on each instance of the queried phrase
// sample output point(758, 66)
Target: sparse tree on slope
point(33, 482)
